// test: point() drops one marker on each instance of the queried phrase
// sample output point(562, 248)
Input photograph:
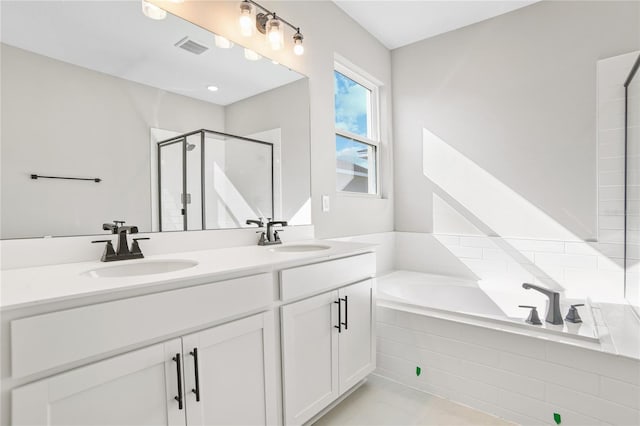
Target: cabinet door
point(230, 373)
point(137, 388)
point(310, 356)
point(356, 341)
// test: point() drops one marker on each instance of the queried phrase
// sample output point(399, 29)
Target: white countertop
point(52, 283)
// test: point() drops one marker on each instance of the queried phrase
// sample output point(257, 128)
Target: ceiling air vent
point(191, 46)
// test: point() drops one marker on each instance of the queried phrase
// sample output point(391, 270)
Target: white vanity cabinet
point(328, 340)
point(231, 382)
point(136, 388)
point(230, 373)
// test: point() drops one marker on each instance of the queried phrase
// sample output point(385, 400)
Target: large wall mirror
point(632, 187)
point(171, 126)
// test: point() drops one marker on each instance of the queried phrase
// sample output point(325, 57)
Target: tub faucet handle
point(533, 317)
point(573, 315)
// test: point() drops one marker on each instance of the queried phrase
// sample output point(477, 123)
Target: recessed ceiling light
point(152, 11)
point(251, 55)
point(212, 88)
point(223, 43)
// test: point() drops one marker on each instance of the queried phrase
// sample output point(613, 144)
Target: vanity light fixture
point(251, 55)
point(298, 48)
point(212, 88)
point(246, 19)
point(275, 33)
point(222, 43)
point(152, 11)
point(268, 23)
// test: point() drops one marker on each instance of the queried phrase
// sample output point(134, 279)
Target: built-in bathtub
point(465, 300)
point(453, 338)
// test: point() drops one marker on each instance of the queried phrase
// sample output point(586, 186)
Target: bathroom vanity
point(244, 335)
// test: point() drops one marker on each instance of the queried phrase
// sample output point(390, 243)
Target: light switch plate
point(325, 203)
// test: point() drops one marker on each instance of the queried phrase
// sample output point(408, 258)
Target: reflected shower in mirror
point(92, 92)
point(212, 180)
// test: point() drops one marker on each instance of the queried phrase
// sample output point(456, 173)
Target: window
point(357, 141)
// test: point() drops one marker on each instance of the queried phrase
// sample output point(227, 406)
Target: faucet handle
point(533, 317)
point(573, 315)
point(135, 247)
point(109, 253)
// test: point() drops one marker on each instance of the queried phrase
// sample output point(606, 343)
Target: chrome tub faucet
point(553, 311)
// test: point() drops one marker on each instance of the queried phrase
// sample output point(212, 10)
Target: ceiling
point(398, 23)
point(115, 38)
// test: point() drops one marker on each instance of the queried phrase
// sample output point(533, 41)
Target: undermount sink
point(297, 248)
point(140, 268)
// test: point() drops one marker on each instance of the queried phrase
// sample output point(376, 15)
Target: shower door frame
point(182, 138)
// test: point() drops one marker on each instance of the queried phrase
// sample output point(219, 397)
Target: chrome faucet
point(270, 236)
point(122, 252)
point(553, 311)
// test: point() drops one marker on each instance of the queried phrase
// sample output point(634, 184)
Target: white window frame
point(352, 72)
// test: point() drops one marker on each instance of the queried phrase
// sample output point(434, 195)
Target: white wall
point(285, 108)
point(496, 148)
point(327, 31)
point(55, 126)
point(516, 95)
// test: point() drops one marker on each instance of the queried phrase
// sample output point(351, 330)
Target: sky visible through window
point(351, 104)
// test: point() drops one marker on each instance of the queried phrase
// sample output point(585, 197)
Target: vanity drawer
point(311, 279)
point(50, 340)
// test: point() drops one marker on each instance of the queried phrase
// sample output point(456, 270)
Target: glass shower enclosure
point(632, 188)
point(213, 180)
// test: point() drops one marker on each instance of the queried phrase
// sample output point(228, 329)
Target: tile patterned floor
point(383, 402)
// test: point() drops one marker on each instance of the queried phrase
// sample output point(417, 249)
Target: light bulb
point(275, 33)
point(298, 48)
point(251, 55)
point(222, 42)
point(152, 11)
point(212, 88)
point(247, 24)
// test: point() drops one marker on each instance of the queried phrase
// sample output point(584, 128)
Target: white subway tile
point(612, 250)
point(611, 193)
point(610, 208)
point(542, 246)
point(550, 372)
point(611, 236)
point(502, 379)
point(614, 138)
point(478, 242)
point(461, 385)
point(448, 240)
point(610, 178)
point(466, 252)
point(566, 260)
point(611, 164)
point(614, 366)
point(620, 392)
point(499, 254)
point(581, 248)
point(592, 406)
point(610, 222)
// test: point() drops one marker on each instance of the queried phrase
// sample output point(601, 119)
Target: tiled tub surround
point(518, 377)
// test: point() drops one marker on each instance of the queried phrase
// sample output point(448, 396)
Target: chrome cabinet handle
point(179, 375)
point(194, 354)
